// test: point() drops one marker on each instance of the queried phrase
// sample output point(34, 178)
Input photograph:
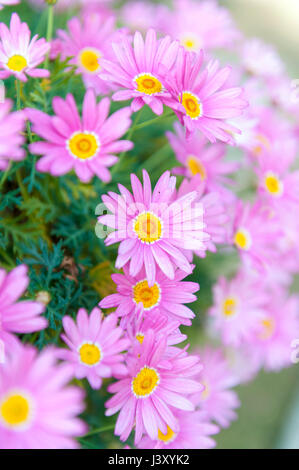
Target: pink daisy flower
point(270, 345)
point(18, 317)
point(276, 183)
point(202, 100)
point(200, 25)
point(201, 159)
point(87, 41)
point(20, 56)
point(8, 2)
point(95, 345)
point(141, 15)
point(261, 59)
point(153, 229)
point(255, 233)
point(38, 410)
point(155, 383)
point(217, 401)
point(165, 295)
point(140, 70)
point(238, 307)
point(194, 433)
point(11, 127)
point(86, 145)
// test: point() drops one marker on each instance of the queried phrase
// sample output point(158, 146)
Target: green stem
point(151, 121)
point(98, 430)
point(18, 90)
point(49, 35)
point(5, 175)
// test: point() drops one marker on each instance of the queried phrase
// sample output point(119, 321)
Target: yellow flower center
point(192, 105)
point(17, 63)
point(229, 307)
point(140, 337)
point(89, 60)
point(190, 41)
point(168, 437)
point(149, 296)
point(148, 227)
point(145, 382)
point(15, 410)
point(242, 239)
point(206, 392)
point(273, 185)
point(90, 354)
point(148, 84)
point(196, 167)
point(83, 145)
point(263, 142)
point(268, 328)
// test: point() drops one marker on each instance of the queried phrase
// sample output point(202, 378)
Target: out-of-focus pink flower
point(194, 432)
point(140, 70)
point(217, 400)
point(86, 145)
point(95, 346)
point(87, 42)
point(238, 307)
point(17, 317)
point(152, 228)
point(38, 410)
point(20, 56)
point(261, 59)
point(142, 15)
point(200, 25)
point(11, 126)
point(167, 296)
point(155, 384)
point(202, 100)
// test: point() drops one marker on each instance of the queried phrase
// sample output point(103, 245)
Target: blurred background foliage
point(49, 224)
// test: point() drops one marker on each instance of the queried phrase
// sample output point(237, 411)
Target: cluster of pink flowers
point(167, 396)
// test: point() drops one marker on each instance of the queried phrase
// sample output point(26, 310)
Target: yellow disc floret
point(242, 239)
point(89, 60)
point(17, 63)
point(148, 84)
point(15, 410)
point(192, 105)
point(168, 437)
point(90, 354)
point(148, 227)
point(267, 328)
point(145, 382)
point(149, 296)
point(229, 307)
point(83, 145)
point(196, 167)
point(273, 184)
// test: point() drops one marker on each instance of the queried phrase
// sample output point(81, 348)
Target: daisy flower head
point(166, 296)
point(12, 125)
point(20, 56)
point(155, 384)
point(140, 70)
point(95, 346)
point(38, 409)
point(152, 228)
point(194, 432)
point(238, 307)
point(87, 42)
point(270, 345)
point(201, 159)
point(18, 316)
point(217, 401)
point(86, 144)
point(203, 101)
point(200, 25)
point(261, 59)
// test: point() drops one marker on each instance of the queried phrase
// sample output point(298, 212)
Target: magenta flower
point(95, 345)
point(200, 25)
point(86, 145)
point(217, 401)
point(201, 159)
point(154, 382)
point(17, 317)
point(153, 229)
point(18, 55)
point(202, 100)
point(38, 410)
point(140, 70)
point(165, 295)
point(238, 307)
point(11, 126)
point(88, 41)
point(194, 433)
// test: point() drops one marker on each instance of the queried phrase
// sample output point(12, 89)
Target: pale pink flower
point(261, 59)
point(11, 127)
